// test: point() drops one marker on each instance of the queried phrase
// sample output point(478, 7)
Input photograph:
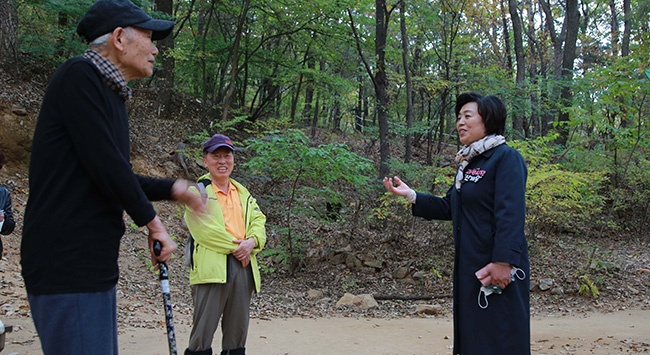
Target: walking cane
point(167, 300)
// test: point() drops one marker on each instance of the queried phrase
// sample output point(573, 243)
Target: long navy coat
point(488, 215)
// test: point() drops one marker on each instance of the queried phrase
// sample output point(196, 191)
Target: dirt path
point(612, 333)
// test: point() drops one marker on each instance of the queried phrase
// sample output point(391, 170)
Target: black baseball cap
point(106, 15)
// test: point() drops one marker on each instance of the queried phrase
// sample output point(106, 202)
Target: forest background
point(327, 97)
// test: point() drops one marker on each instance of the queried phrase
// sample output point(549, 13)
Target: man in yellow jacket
point(223, 271)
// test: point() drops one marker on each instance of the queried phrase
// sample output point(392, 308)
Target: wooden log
point(411, 298)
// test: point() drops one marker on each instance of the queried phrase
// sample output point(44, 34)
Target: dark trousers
point(76, 323)
point(229, 302)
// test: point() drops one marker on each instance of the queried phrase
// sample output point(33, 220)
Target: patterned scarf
point(112, 76)
point(465, 155)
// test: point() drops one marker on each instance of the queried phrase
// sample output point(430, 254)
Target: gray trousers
point(229, 302)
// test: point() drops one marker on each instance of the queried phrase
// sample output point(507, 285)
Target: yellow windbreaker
point(212, 243)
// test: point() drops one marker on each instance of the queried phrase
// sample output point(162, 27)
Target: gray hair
point(100, 42)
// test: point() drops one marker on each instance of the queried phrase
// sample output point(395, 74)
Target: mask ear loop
point(482, 292)
point(518, 273)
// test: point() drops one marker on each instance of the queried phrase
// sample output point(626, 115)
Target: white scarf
point(466, 153)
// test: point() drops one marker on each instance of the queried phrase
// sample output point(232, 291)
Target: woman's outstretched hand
point(397, 186)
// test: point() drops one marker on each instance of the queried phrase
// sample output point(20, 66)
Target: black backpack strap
point(189, 245)
point(201, 185)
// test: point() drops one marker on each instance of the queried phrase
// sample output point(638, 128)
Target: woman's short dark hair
point(491, 108)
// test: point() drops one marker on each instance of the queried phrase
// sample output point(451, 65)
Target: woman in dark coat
point(487, 207)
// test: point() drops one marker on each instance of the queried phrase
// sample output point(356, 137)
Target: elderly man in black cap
point(81, 183)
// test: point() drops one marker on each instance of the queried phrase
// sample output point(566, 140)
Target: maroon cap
point(217, 141)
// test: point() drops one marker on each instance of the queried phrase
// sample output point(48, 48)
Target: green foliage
point(47, 29)
point(560, 201)
point(270, 256)
point(537, 152)
point(307, 173)
point(349, 283)
point(433, 271)
point(279, 255)
point(430, 179)
point(237, 122)
point(610, 114)
point(603, 266)
point(194, 150)
point(390, 210)
point(289, 155)
point(133, 227)
point(179, 211)
point(392, 214)
point(144, 255)
point(583, 159)
point(277, 124)
point(314, 202)
point(587, 287)
point(432, 263)
point(629, 200)
point(384, 208)
point(199, 137)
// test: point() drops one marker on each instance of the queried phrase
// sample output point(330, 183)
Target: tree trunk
point(62, 23)
point(314, 118)
point(506, 38)
point(379, 78)
point(207, 88)
point(408, 139)
point(625, 51)
point(442, 121)
point(613, 31)
point(562, 66)
point(8, 32)
point(243, 87)
point(429, 137)
point(517, 119)
point(296, 96)
point(234, 62)
point(381, 83)
point(165, 78)
point(358, 111)
point(336, 115)
point(450, 20)
point(309, 91)
point(627, 28)
point(572, 20)
point(532, 128)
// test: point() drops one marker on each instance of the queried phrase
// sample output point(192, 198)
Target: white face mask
point(515, 273)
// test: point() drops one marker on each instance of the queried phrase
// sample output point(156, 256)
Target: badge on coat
point(474, 175)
